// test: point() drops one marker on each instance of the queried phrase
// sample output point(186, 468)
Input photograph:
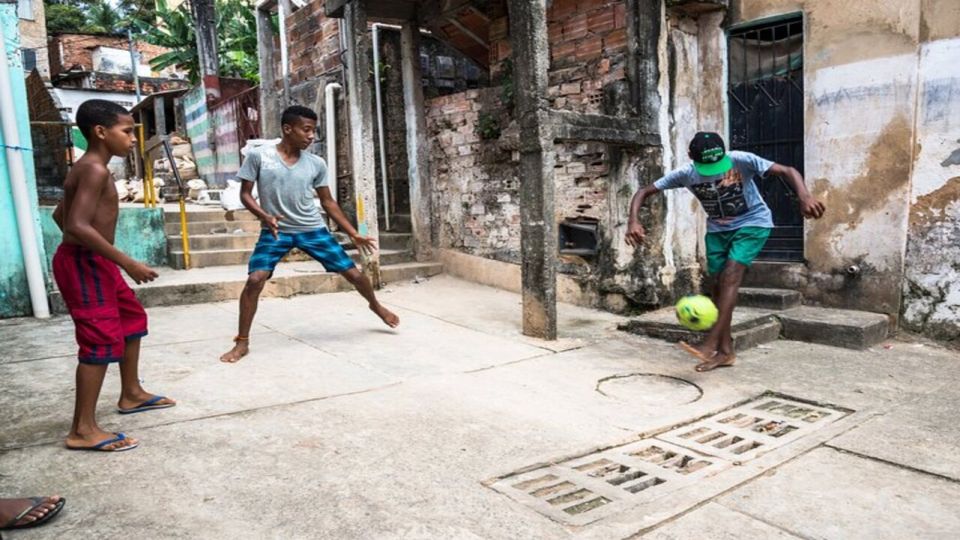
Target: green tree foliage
point(64, 18)
point(103, 19)
point(236, 39)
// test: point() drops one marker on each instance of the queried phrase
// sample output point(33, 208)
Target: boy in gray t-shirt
point(287, 178)
point(738, 224)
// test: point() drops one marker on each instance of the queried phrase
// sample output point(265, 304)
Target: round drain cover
point(650, 389)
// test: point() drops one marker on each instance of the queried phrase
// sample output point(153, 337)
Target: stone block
point(763, 298)
point(837, 327)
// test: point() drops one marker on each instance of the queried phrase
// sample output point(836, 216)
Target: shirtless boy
point(109, 320)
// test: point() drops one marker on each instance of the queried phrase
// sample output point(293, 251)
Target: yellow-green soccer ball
point(696, 312)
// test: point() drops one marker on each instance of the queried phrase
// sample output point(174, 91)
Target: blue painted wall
point(140, 234)
point(14, 295)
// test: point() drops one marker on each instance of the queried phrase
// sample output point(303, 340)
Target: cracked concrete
point(336, 428)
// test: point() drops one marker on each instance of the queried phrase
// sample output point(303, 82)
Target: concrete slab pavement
point(335, 427)
point(829, 494)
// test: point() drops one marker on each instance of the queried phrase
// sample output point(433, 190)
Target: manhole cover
point(649, 389)
point(582, 490)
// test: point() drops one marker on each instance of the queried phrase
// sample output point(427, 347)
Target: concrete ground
point(336, 427)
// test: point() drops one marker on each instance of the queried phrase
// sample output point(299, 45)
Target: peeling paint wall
point(860, 69)
point(931, 290)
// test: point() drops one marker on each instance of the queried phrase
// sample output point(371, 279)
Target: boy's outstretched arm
point(330, 206)
point(809, 205)
point(246, 198)
point(635, 232)
point(79, 223)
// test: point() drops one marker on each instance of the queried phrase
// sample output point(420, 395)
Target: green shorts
point(741, 245)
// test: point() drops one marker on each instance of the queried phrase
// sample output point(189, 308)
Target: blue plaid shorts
point(319, 244)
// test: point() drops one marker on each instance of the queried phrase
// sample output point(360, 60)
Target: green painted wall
point(140, 234)
point(14, 294)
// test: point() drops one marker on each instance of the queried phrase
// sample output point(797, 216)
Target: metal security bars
point(765, 96)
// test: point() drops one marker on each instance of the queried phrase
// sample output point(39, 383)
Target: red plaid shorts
point(105, 310)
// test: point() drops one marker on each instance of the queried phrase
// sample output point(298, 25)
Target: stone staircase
point(221, 245)
point(766, 314)
point(219, 239)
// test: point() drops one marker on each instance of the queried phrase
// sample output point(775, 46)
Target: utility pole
point(205, 27)
point(134, 63)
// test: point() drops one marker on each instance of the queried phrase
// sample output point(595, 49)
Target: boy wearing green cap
point(738, 225)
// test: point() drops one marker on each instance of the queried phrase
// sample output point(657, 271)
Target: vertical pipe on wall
point(21, 195)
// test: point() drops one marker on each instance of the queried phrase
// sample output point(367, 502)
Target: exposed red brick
point(575, 27)
point(620, 15)
point(601, 21)
point(590, 48)
point(615, 41)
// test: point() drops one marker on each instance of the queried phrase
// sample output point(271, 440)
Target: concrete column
point(538, 234)
point(360, 104)
point(418, 148)
point(205, 27)
point(269, 102)
point(160, 115)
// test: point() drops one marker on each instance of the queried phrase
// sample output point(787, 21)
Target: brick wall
point(33, 35)
point(314, 43)
point(588, 50)
point(113, 82)
point(475, 180)
point(77, 49)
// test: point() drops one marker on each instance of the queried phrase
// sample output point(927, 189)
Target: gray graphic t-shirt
point(732, 200)
point(287, 190)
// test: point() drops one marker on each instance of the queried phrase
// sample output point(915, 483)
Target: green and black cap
point(709, 154)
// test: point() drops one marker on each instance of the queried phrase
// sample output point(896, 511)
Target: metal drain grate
point(750, 430)
point(582, 490)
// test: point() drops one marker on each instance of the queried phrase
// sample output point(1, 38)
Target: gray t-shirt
point(732, 200)
point(285, 190)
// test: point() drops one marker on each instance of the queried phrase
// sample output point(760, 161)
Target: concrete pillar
point(418, 148)
point(205, 27)
point(538, 234)
point(360, 104)
point(160, 115)
point(269, 102)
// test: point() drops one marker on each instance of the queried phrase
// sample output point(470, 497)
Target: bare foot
point(721, 359)
point(76, 441)
point(389, 317)
point(11, 508)
point(236, 353)
point(700, 352)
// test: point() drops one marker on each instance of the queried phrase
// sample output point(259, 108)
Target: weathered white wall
point(932, 271)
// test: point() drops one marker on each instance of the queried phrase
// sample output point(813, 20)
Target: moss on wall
point(140, 234)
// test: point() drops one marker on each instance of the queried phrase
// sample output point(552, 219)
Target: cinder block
point(837, 327)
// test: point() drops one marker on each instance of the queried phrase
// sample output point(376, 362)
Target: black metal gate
point(766, 117)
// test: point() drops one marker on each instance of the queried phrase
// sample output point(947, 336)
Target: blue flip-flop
point(148, 405)
point(100, 446)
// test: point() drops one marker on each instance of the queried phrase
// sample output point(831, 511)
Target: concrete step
point(183, 287)
point(399, 223)
point(247, 240)
point(228, 257)
point(778, 275)
point(392, 240)
point(207, 242)
point(751, 327)
point(213, 227)
point(837, 327)
point(212, 214)
point(763, 298)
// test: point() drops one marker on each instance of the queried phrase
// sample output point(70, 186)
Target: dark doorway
point(766, 117)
